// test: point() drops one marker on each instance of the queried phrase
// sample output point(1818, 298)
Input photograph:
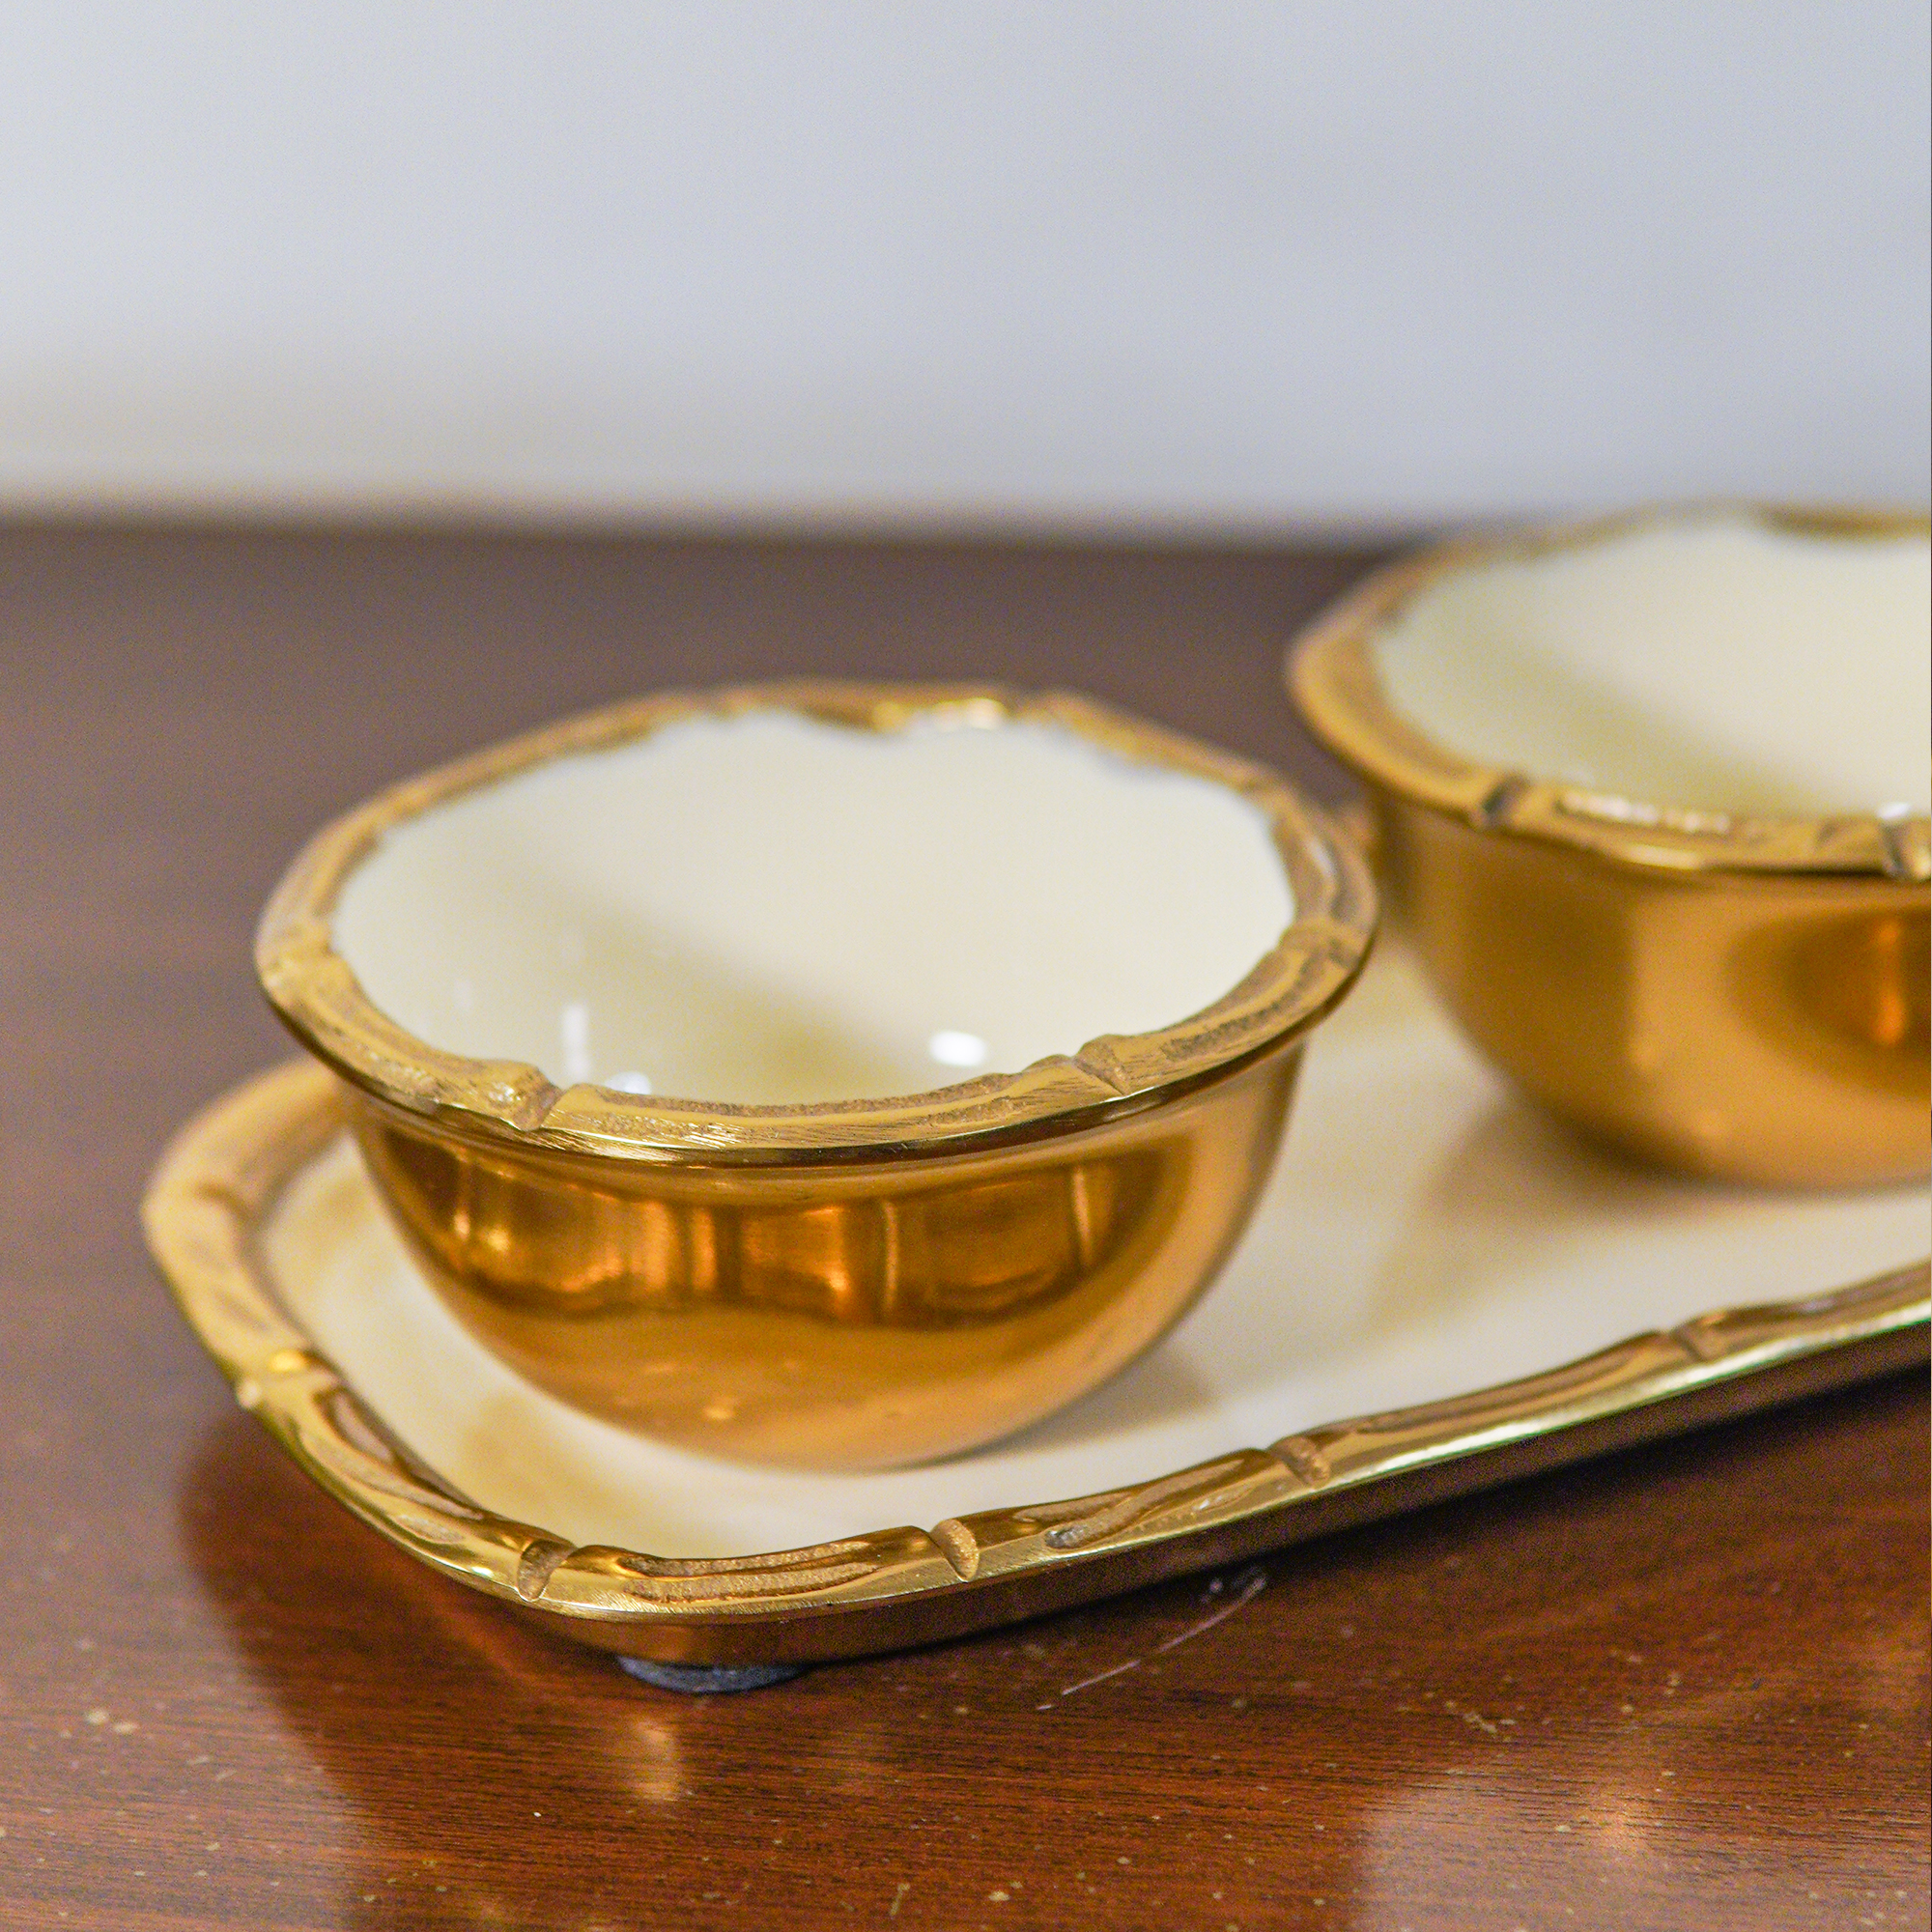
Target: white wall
point(1196, 264)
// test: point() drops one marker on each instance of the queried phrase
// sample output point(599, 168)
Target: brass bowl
point(818, 1277)
point(1734, 993)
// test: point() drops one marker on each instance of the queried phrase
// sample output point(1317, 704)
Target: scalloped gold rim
point(1332, 677)
point(215, 1185)
point(1289, 989)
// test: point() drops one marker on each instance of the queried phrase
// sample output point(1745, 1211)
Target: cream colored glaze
point(771, 909)
point(1714, 663)
point(1427, 1232)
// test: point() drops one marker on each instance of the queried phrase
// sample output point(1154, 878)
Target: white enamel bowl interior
point(1716, 663)
point(769, 909)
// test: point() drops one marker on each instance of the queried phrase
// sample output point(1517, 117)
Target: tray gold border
point(898, 1587)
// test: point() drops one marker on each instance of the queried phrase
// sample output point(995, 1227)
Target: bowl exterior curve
point(1759, 1029)
point(835, 1316)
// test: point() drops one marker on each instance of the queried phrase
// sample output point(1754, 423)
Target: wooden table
point(1683, 1688)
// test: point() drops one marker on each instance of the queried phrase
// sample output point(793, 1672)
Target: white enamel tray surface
point(1425, 1235)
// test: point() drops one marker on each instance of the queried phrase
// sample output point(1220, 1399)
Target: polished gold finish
point(839, 1317)
point(1744, 998)
point(894, 1587)
point(847, 1285)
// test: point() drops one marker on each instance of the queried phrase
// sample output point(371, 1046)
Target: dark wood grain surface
point(1684, 1688)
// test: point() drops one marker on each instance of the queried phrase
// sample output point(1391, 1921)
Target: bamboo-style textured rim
point(1289, 989)
point(217, 1183)
point(1333, 679)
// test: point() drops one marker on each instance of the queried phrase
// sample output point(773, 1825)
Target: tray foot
point(705, 1680)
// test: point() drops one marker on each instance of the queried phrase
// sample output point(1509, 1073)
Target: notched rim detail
point(1332, 676)
point(1284, 994)
point(219, 1182)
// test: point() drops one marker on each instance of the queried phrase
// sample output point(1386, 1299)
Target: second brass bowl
point(830, 1283)
point(1735, 994)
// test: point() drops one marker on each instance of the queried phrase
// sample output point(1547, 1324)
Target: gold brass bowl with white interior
point(805, 896)
point(1685, 944)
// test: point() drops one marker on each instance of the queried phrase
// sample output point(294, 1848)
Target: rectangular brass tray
point(1411, 1266)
